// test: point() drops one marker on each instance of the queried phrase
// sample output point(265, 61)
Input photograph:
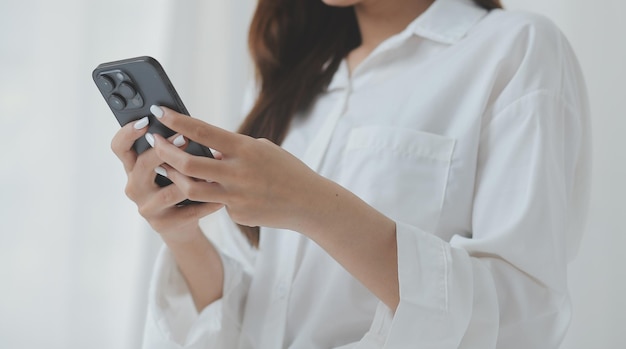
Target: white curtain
point(75, 256)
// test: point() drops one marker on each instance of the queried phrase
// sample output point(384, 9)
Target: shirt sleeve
point(506, 285)
point(172, 320)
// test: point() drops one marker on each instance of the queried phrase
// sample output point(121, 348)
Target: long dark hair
point(296, 47)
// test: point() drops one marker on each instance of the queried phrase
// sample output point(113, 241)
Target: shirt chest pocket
point(401, 172)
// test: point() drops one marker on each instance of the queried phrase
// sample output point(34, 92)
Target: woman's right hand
point(195, 255)
point(156, 204)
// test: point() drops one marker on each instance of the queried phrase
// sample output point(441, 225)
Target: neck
point(380, 19)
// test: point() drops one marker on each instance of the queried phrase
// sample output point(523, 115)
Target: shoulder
point(529, 53)
point(522, 24)
point(524, 54)
point(521, 34)
point(517, 37)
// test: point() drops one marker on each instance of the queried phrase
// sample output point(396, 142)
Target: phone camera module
point(117, 102)
point(127, 90)
point(106, 82)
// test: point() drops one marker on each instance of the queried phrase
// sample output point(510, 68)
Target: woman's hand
point(262, 185)
point(196, 257)
point(259, 183)
point(157, 205)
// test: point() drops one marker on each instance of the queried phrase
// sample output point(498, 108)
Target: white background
point(75, 257)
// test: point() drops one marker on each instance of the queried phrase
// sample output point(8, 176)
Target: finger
point(216, 154)
point(148, 160)
point(197, 130)
point(143, 173)
point(122, 142)
point(178, 140)
point(191, 212)
point(189, 165)
point(192, 188)
point(163, 198)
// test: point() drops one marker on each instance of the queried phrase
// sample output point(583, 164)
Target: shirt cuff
point(426, 277)
point(172, 316)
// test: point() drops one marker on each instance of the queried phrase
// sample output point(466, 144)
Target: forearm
point(264, 185)
point(201, 266)
point(356, 235)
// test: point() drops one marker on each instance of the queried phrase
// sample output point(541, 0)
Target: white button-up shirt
point(470, 129)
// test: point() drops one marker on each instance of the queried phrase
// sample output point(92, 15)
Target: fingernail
point(160, 170)
point(150, 139)
point(141, 123)
point(156, 111)
point(179, 141)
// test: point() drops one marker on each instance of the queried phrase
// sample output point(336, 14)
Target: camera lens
point(106, 83)
point(117, 102)
point(127, 90)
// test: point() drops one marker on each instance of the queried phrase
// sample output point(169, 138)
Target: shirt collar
point(447, 21)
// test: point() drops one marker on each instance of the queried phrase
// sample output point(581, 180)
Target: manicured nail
point(160, 170)
point(150, 139)
point(179, 141)
point(141, 123)
point(156, 111)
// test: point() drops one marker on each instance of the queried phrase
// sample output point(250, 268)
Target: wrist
point(200, 264)
point(333, 210)
point(318, 208)
point(182, 237)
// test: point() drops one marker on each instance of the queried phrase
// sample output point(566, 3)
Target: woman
point(429, 191)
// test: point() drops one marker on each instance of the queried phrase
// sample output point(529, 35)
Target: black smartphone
point(130, 87)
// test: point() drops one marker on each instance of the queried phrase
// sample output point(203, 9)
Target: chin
point(341, 3)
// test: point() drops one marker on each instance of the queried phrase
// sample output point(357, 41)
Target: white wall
point(597, 31)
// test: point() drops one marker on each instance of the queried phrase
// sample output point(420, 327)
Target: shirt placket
point(274, 328)
point(273, 335)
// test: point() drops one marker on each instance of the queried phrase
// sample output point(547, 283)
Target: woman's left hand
point(259, 183)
